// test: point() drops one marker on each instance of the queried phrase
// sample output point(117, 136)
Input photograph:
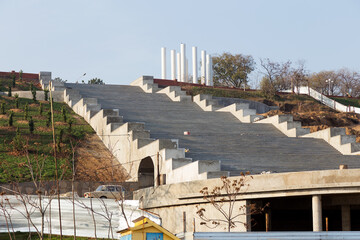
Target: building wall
point(29, 76)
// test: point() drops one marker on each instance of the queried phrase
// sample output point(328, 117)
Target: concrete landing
point(217, 135)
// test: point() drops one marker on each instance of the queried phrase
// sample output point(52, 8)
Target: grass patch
point(348, 101)
point(14, 139)
point(249, 95)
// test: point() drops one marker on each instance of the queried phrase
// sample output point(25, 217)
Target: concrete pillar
point(183, 62)
point(317, 213)
point(178, 60)
point(194, 64)
point(208, 70)
point(187, 71)
point(211, 80)
point(172, 59)
point(203, 67)
point(163, 63)
point(345, 218)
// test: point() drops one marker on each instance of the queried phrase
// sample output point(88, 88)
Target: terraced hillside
point(216, 135)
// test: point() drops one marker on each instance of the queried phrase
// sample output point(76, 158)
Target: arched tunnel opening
point(146, 173)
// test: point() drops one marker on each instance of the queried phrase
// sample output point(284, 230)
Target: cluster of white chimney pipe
point(182, 66)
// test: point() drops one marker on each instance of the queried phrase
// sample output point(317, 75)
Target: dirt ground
point(317, 117)
point(94, 162)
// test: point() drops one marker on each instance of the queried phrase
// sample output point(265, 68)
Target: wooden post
point(327, 223)
point(268, 221)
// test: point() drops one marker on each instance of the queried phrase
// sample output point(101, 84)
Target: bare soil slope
point(94, 162)
point(317, 116)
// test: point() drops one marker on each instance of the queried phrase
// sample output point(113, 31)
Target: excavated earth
point(317, 117)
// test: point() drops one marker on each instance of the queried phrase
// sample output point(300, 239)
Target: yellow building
point(145, 229)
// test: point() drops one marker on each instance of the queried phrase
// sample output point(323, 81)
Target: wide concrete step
point(174, 163)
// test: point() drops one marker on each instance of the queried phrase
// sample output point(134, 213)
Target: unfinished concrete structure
point(143, 125)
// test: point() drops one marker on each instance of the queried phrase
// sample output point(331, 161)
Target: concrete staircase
point(135, 125)
point(116, 133)
point(175, 94)
point(286, 125)
point(336, 137)
point(242, 112)
point(206, 102)
point(146, 83)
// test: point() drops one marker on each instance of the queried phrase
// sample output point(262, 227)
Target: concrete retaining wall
point(58, 96)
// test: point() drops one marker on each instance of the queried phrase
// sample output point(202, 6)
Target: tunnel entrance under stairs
point(146, 173)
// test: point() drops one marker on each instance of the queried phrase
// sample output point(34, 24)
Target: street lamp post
point(329, 81)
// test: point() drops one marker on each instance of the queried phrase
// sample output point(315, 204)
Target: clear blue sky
point(118, 41)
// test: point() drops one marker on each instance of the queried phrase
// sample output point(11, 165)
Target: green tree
point(96, 81)
point(232, 70)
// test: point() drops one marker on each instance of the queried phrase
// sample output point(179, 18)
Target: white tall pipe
point(178, 59)
point(183, 62)
point(203, 67)
point(194, 62)
point(208, 70)
point(211, 72)
point(187, 71)
point(172, 60)
point(163, 63)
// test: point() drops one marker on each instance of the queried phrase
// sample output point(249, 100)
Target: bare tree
point(299, 76)
point(350, 82)
point(324, 81)
point(277, 76)
point(223, 199)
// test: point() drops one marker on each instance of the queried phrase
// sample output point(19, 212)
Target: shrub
point(267, 88)
point(46, 92)
point(63, 112)
point(20, 74)
point(26, 111)
point(33, 92)
point(10, 121)
point(31, 125)
point(13, 77)
point(2, 108)
point(40, 109)
point(16, 95)
point(48, 120)
point(16, 103)
point(18, 143)
point(9, 92)
point(17, 131)
point(70, 122)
